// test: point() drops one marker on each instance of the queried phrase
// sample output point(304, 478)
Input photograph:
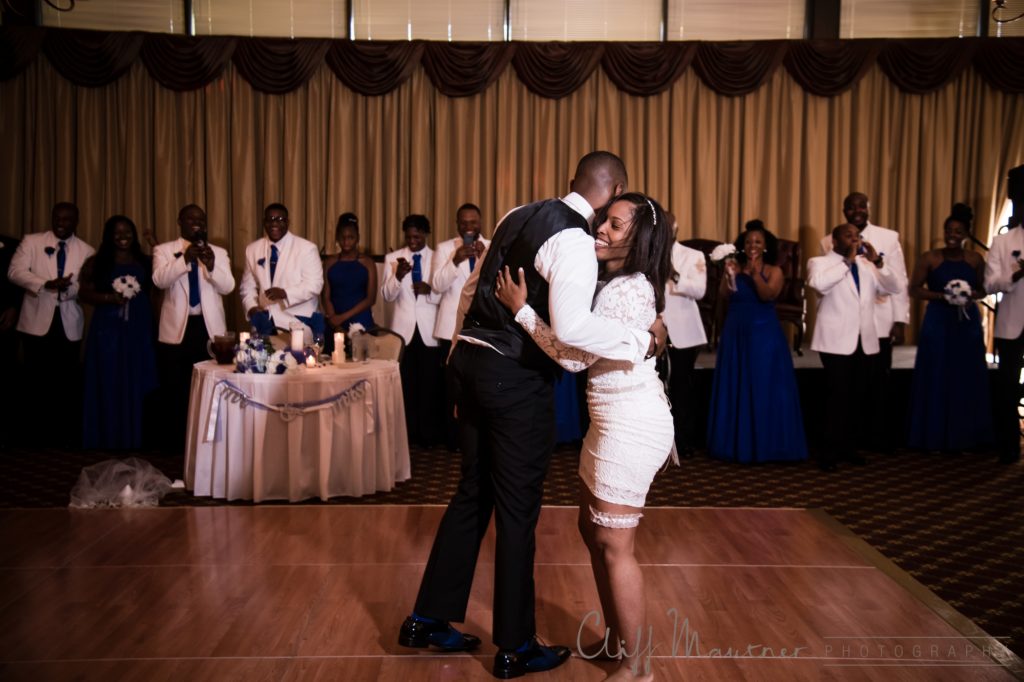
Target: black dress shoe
point(537, 658)
point(419, 634)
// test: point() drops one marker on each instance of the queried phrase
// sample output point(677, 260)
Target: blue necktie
point(273, 262)
point(62, 258)
point(856, 275)
point(417, 269)
point(193, 285)
point(472, 263)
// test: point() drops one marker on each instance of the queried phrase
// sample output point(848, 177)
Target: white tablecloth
point(240, 451)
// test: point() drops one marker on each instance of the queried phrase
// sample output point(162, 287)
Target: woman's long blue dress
point(950, 405)
point(755, 406)
point(120, 368)
point(349, 280)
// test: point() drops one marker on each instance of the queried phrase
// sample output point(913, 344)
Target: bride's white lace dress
point(631, 431)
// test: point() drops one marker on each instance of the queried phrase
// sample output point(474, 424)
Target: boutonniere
point(178, 254)
point(49, 250)
point(261, 262)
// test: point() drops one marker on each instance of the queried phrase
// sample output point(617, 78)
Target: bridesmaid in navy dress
point(950, 408)
point(120, 361)
point(350, 279)
point(755, 408)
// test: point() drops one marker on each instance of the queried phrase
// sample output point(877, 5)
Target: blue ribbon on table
point(226, 390)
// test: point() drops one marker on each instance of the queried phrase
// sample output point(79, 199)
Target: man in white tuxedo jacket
point(194, 275)
point(283, 273)
point(846, 333)
point(686, 336)
point(407, 285)
point(1004, 268)
point(454, 261)
point(892, 313)
point(46, 265)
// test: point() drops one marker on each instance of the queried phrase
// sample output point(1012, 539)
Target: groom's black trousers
point(506, 433)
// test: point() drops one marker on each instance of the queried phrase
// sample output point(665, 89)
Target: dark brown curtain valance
point(463, 69)
point(553, 70)
point(182, 63)
point(373, 68)
point(92, 58)
point(830, 67)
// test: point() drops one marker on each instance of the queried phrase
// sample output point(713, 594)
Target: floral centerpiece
point(255, 356)
point(127, 286)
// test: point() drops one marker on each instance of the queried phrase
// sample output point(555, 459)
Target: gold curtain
point(779, 153)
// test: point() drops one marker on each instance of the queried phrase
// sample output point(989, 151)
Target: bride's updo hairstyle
point(650, 243)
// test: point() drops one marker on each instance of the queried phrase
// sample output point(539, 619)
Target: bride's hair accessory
point(654, 214)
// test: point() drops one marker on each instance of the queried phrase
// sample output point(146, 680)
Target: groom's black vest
point(515, 244)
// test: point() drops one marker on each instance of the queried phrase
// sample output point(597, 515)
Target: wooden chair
point(791, 305)
point(386, 344)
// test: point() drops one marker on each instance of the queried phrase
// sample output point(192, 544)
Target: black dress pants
point(681, 394)
point(507, 433)
point(176, 360)
point(845, 377)
point(54, 362)
point(879, 432)
point(422, 373)
point(1006, 417)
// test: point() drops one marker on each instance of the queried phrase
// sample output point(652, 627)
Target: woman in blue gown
point(120, 361)
point(755, 408)
point(950, 406)
point(350, 279)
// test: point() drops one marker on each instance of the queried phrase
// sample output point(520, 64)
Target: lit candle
point(339, 340)
point(298, 339)
point(338, 357)
point(310, 361)
point(242, 338)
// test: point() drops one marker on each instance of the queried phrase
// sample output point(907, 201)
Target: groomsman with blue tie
point(194, 275)
point(407, 285)
point(46, 265)
point(454, 262)
point(283, 274)
point(849, 278)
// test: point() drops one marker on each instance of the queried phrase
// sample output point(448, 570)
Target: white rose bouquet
point(128, 287)
point(957, 293)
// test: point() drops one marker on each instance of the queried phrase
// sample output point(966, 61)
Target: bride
point(631, 429)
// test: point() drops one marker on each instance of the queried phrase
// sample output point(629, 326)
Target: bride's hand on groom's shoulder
point(511, 292)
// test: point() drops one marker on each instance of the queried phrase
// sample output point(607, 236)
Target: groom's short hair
point(595, 164)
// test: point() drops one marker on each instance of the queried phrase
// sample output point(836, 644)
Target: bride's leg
point(609, 631)
point(613, 528)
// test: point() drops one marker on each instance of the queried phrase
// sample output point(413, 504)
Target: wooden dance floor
point(319, 593)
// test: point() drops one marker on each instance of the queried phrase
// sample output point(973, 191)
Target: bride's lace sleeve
point(571, 359)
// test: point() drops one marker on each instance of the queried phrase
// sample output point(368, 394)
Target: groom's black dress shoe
point(419, 634)
point(537, 658)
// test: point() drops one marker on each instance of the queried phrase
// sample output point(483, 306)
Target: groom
point(506, 415)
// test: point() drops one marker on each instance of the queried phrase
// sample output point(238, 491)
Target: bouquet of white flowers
point(128, 287)
point(958, 293)
point(722, 253)
point(282, 362)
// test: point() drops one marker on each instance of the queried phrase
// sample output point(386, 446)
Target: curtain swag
point(551, 70)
